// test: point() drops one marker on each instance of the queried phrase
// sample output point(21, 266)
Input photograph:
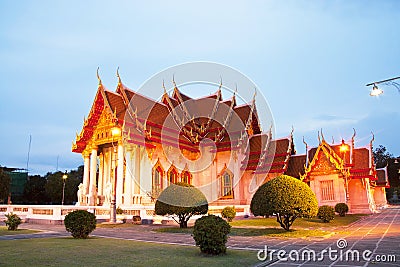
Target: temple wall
point(379, 194)
point(338, 192)
point(359, 195)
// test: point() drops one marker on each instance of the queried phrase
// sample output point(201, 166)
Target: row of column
point(112, 176)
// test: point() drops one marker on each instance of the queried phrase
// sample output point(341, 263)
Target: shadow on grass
point(271, 232)
point(4, 231)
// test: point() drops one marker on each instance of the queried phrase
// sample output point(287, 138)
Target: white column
point(86, 168)
point(120, 173)
point(107, 167)
point(93, 172)
point(128, 178)
point(100, 182)
point(137, 181)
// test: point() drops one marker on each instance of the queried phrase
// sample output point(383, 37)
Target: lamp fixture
point(377, 91)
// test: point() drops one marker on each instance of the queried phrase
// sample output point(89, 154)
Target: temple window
point(227, 184)
point(157, 180)
point(327, 190)
point(172, 175)
point(187, 177)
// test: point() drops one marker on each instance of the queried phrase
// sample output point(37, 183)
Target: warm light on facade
point(344, 147)
point(116, 131)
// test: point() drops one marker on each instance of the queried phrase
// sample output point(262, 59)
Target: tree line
point(43, 190)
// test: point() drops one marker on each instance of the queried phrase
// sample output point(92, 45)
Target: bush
point(181, 201)
point(211, 234)
point(119, 211)
point(13, 220)
point(136, 219)
point(228, 213)
point(342, 209)
point(285, 197)
point(326, 213)
point(80, 223)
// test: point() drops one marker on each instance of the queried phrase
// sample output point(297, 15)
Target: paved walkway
point(377, 236)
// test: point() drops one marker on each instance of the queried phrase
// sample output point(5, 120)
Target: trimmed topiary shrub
point(181, 201)
point(228, 213)
point(136, 219)
point(211, 234)
point(80, 223)
point(13, 221)
point(119, 211)
point(326, 213)
point(285, 197)
point(342, 209)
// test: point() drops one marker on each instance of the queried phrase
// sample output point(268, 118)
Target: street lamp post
point(344, 148)
point(375, 91)
point(115, 131)
point(64, 177)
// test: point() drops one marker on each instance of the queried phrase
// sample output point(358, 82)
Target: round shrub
point(326, 213)
point(13, 220)
point(80, 223)
point(342, 209)
point(228, 213)
point(285, 197)
point(211, 234)
point(136, 219)
point(119, 211)
point(181, 201)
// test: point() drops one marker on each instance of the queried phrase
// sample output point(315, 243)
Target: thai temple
point(133, 147)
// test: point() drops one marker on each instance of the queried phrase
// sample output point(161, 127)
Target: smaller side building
point(18, 178)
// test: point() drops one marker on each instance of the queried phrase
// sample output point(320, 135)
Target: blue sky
point(311, 60)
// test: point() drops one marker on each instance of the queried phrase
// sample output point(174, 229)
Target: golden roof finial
point(98, 76)
point(119, 78)
point(163, 85)
point(354, 134)
point(322, 136)
point(173, 80)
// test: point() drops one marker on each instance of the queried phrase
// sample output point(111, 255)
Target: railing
point(55, 214)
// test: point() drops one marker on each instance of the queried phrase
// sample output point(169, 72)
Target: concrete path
point(372, 241)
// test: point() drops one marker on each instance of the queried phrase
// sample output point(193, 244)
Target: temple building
point(133, 147)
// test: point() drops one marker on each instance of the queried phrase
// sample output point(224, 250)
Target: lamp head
point(116, 131)
point(343, 147)
point(375, 91)
point(65, 175)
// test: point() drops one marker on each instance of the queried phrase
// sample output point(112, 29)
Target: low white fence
point(55, 214)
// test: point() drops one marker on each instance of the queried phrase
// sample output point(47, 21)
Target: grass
point(112, 252)
point(299, 222)
point(5, 231)
point(301, 228)
point(272, 232)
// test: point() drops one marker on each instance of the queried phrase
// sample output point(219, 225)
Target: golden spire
point(98, 76)
point(119, 78)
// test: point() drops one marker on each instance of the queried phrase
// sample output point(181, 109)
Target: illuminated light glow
point(116, 131)
point(375, 91)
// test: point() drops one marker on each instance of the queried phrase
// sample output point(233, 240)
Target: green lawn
point(5, 231)
point(112, 252)
point(301, 228)
point(270, 231)
point(299, 222)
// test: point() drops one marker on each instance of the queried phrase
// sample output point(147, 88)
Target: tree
point(285, 197)
point(54, 186)
point(381, 156)
point(181, 201)
point(35, 191)
point(5, 184)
